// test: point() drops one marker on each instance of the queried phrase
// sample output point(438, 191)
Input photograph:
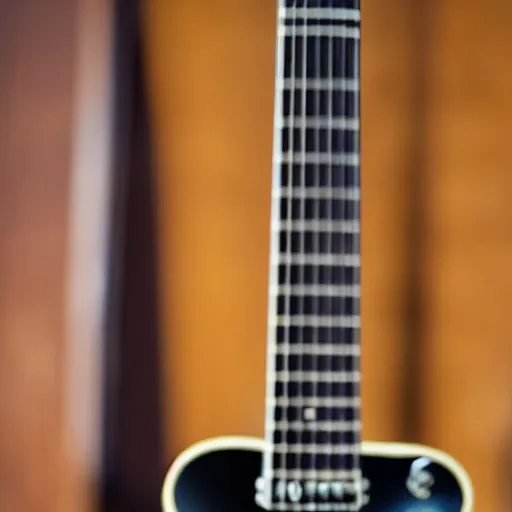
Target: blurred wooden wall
point(436, 108)
point(48, 396)
point(36, 83)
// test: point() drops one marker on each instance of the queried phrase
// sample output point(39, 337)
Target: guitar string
point(302, 214)
point(330, 133)
point(345, 209)
point(290, 176)
point(316, 245)
point(266, 495)
point(357, 240)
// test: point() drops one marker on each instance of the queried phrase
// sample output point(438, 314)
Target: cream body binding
point(389, 450)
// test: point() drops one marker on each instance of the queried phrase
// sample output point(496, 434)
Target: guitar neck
point(313, 377)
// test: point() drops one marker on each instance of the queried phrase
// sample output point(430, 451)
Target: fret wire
point(338, 226)
point(318, 123)
point(318, 376)
point(324, 290)
point(339, 84)
point(315, 401)
point(336, 194)
point(348, 260)
point(320, 449)
point(319, 321)
point(325, 349)
point(326, 13)
point(317, 474)
point(326, 426)
point(318, 31)
point(351, 159)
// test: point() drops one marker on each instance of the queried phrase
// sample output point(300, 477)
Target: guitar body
point(219, 475)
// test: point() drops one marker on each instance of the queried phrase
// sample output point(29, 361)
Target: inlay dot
point(309, 414)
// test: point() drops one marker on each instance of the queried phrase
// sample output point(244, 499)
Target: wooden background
point(437, 237)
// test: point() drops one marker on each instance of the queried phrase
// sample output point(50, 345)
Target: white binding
point(389, 450)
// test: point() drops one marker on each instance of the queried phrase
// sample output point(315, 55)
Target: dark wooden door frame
point(133, 464)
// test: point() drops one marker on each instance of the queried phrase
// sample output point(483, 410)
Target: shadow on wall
point(133, 450)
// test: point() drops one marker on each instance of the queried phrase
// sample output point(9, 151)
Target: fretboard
point(313, 375)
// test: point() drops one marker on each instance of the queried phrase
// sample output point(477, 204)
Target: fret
point(318, 388)
point(306, 363)
point(331, 401)
point(321, 158)
point(312, 389)
point(334, 32)
point(319, 321)
point(328, 376)
point(320, 461)
point(325, 307)
point(320, 13)
point(311, 435)
point(310, 146)
point(305, 241)
point(304, 334)
point(329, 475)
point(320, 52)
point(321, 414)
point(318, 123)
point(313, 449)
point(325, 290)
point(318, 193)
point(314, 4)
point(343, 226)
point(316, 349)
point(326, 426)
point(338, 84)
point(302, 209)
point(303, 174)
point(312, 274)
point(328, 103)
point(310, 4)
point(348, 260)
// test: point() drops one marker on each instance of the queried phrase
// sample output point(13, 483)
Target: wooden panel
point(468, 363)
point(47, 412)
point(212, 81)
point(36, 69)
point(386, 138)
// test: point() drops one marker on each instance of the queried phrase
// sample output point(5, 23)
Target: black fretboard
point(313, 391)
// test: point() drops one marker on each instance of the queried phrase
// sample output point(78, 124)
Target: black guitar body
point(218, 477)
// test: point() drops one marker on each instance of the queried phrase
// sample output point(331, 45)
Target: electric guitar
point(312, 457)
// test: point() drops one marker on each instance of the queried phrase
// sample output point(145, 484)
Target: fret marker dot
point(309, 414)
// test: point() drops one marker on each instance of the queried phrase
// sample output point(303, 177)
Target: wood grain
point(468, 357)
point(45, 461)
point(36, 77)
